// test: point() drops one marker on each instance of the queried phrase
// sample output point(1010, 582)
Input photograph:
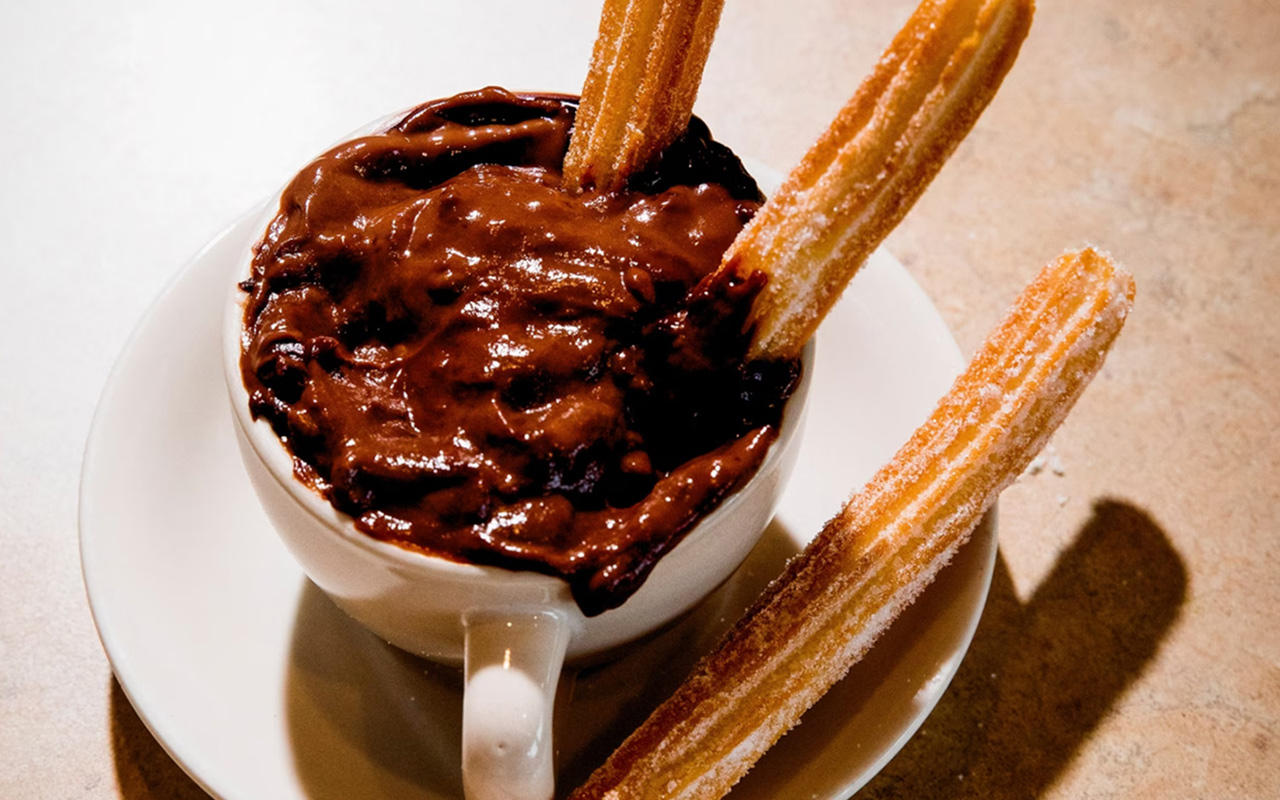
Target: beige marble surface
point(1129, 648)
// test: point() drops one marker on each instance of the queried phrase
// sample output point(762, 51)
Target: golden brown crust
point(645, 70)
point(879, 154)
point(885, 546)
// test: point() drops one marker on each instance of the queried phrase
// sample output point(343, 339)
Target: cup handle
point(513, 663)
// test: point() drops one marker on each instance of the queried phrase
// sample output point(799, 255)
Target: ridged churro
point(877, 157)
point(872, 560)
point(644, 76)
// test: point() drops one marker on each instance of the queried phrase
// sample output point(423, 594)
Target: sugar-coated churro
point(640, 88)
point(883, 548)
point(877, 157)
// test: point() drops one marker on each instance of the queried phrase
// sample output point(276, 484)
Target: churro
point(644, 75)
point(883, 548)
point(879, 154)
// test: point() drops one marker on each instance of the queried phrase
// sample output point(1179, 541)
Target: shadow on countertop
point(1040, 677)
point(144, 771)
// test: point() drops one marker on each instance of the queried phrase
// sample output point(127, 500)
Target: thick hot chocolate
point(474, 362)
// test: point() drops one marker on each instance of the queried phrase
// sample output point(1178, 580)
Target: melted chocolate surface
point(473, 362)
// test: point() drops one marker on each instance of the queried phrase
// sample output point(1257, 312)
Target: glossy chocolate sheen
point(474, 362)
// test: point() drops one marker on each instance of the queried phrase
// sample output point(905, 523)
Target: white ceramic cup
point(511, 630)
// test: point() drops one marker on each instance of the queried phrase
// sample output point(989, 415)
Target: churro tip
point(1120, 281)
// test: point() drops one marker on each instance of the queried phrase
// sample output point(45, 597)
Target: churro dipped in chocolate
point(873, 162)
point(884, 547)
point(638, 96)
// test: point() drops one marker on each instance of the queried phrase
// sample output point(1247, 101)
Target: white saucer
point(259, 687)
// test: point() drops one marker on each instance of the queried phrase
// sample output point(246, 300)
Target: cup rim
point(279, 461)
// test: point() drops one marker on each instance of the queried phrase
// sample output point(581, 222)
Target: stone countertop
point(1128, 648)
